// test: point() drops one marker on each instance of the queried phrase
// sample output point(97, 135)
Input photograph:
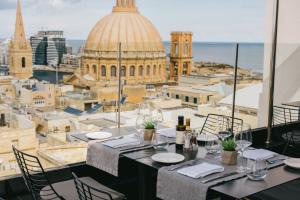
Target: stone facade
point(181, 54)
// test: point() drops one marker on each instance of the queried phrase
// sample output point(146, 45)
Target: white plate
point(168, 158)
point(98, 135)
point(293, 162)
point(207, 137)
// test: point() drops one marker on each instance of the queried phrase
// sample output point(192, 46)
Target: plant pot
point(229, 157)
point(148, 134)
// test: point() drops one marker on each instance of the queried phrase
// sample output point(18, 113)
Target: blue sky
point(209, 20)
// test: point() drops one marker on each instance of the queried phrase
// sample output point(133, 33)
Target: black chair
point(217, 123)
point(39, 185)
point(284, 116)
point(88, 192)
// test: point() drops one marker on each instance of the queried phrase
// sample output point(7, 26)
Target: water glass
point(139, 125)
point(160, 142)
point(243, 140)
point(257, 169)
point(212, 146)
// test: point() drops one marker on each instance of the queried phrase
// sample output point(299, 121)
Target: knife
point(136, 148)
point(218, 177)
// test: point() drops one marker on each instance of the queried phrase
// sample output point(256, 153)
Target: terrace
point(113, 156)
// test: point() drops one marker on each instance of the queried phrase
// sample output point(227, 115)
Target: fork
point(196, 161)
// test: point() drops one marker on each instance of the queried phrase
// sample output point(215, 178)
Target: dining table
point(241, 187)
point(234, 189)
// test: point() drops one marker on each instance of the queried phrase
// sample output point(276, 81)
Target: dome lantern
point(125, 6)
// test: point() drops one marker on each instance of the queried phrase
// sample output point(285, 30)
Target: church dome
point(126, 25)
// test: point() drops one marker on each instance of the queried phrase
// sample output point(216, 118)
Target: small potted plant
point(149, 130)
point(229, 153)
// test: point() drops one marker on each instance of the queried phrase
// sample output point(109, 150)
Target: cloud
point(61, 3)
point(56, 4)
point(7, 4)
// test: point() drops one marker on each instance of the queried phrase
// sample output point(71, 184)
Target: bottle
point(180, 132)
point(187, 134)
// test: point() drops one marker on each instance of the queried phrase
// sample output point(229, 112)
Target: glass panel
point(75, 90)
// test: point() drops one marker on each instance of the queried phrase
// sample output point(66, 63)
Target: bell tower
point(20, 52)
point(181, 55)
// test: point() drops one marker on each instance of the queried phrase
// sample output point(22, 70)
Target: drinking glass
point(157, 117)
point(139, 125)
point(243, 140)
point(159, 142)
point(212, 146)
point(257, 169)
point(222, 128)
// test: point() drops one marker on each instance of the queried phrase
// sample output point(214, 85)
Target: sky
point(209, 20)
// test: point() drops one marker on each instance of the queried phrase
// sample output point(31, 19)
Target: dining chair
point(88, 192)
point(284, 115)
point(39, 185)
point(214, 123)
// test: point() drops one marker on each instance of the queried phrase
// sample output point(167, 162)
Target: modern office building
point(48, 47)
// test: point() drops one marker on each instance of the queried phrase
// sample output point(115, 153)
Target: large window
point(103, 71)
point(148, 70)
point(113, 71)
point(132, 71)
point(123, 71)
point(141, 70)
point(23, 62)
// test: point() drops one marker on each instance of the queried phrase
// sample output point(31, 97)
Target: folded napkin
point(167, 132)
point(127, 141)
point(259, 154)
point(201, 170)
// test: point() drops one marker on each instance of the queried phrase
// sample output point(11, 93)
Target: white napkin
point(167, 132)
point(127, 141)
point(259, 154)
point(201, 170)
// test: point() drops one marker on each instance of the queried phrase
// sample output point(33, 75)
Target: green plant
point(229, 145)
point(149, 125)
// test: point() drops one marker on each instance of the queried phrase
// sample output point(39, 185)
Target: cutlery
point(136, 148)
point(111, 139)
point(218, 177)
point(274, 160)
point(196, 161)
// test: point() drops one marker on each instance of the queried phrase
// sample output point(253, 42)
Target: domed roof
point(126, 25)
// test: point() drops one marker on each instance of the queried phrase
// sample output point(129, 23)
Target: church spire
point(125, 6)
point(19, 28)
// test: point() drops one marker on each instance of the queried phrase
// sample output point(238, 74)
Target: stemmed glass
point(243, 140)
point(157, 117)
point(223, 129)
point(139, 125)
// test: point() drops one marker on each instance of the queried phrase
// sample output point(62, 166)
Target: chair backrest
point(34, 176)
point(215, 123)
point(87, 192)
point(284, 114)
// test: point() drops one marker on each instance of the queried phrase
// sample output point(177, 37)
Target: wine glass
point(139, 125)
point(157, 117)
point(222, 129)
point(243, 140)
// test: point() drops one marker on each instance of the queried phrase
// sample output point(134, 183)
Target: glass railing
point(41, 117)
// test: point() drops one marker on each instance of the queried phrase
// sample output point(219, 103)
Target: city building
point(181, 54)
point(35, 94)
point(143, 53)
point(70, 60)
point(3, 52)
point(20, 52)
point(193, 95)
point(48, 47)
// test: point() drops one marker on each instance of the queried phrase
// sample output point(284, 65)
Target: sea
point(251, 55)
